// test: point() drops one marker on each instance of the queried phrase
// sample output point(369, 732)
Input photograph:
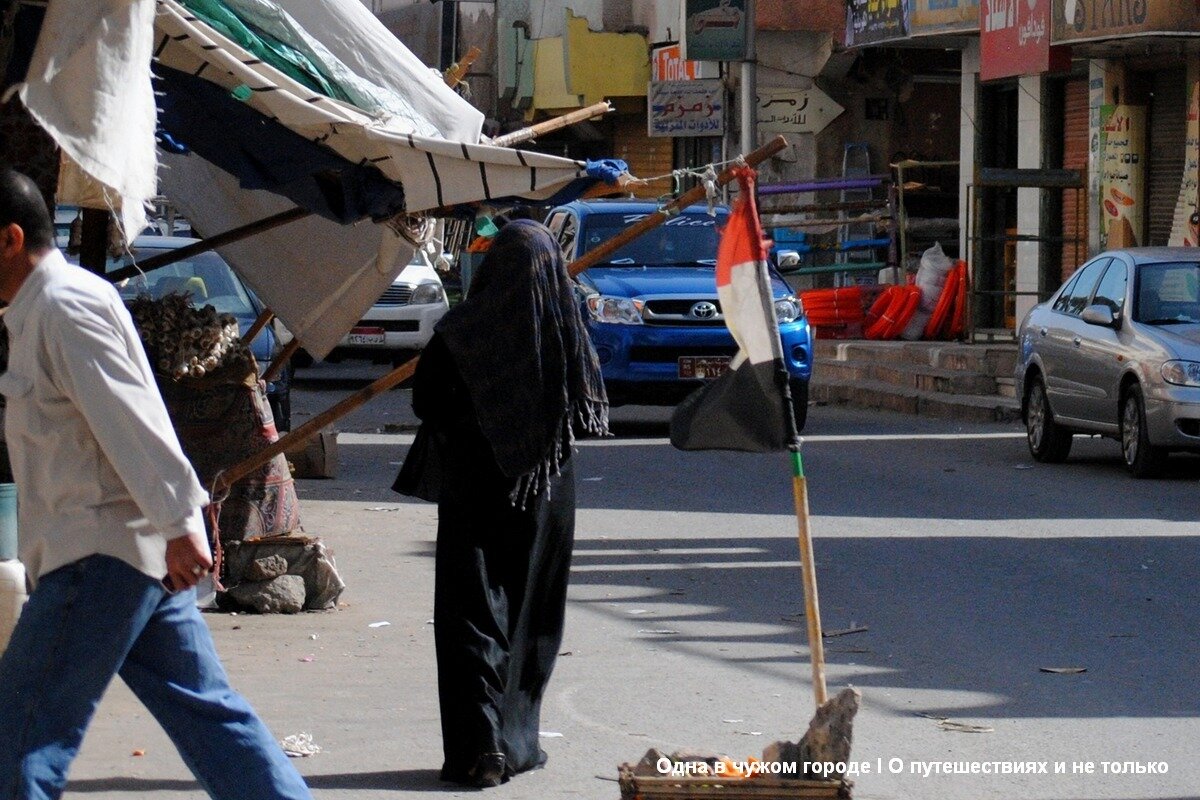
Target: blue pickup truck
point(652, 308)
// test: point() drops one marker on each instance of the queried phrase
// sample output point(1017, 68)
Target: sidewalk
point(367, 695)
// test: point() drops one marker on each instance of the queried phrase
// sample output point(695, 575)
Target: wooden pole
point(534, 131)
point(690, 197)
point(211, 243)
point(272, 372)
point(812, 607)
point(458, 71)
point(311, 428)
point(263, 320)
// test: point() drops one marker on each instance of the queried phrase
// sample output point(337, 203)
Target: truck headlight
point(1182, 373)
point(787, 309)
point(615, 309)
point(426, 293)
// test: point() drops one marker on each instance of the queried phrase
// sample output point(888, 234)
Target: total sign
point(791, 110)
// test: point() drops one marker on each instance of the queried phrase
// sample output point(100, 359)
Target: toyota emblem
point(704, 310)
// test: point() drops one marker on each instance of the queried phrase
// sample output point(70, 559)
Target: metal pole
point(749, 87)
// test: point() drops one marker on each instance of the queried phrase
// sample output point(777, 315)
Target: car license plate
point(703, 367)
point(366, 336)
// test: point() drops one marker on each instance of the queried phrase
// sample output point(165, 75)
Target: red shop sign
point(1015, 39)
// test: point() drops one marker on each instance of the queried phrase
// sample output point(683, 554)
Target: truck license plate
point(703, 367)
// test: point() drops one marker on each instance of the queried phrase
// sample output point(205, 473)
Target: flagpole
point(808, 567)
point(808, 561)
point(812, 607)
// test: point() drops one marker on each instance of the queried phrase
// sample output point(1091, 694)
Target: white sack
point(931, 275)
point(88, 86)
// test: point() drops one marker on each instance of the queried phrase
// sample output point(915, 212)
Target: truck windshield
point(685, 239)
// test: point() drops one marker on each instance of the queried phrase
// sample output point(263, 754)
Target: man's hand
point(188, 561)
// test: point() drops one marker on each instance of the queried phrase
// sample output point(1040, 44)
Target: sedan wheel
point(1049, 442)
point(1143, 459)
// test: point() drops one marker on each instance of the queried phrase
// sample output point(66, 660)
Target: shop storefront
point(1144, 68)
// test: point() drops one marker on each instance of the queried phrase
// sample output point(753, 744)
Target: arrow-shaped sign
point(791, 110)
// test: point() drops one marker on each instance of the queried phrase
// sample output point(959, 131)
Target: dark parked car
point(211, 282)
point(1116, 351)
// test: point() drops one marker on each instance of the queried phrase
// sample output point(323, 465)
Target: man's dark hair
point(22, 203)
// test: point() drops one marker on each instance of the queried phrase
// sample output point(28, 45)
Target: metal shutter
point(1166, 137)
point(1075, 156)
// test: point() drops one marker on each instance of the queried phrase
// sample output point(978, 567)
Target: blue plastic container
point(8, 521)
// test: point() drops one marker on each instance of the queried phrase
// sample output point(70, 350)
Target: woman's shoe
point(488, 771)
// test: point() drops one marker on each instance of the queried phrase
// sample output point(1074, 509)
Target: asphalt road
point(969, 567)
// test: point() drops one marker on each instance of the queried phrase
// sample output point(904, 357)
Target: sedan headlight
point(426, 293)
point(787, 309)
point(1182, 373)
point(615, 309)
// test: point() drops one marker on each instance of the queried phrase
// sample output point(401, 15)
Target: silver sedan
point(1116, 351)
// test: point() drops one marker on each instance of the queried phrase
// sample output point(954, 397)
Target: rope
point(416, 229)
point(694, 172)
point(214, 517)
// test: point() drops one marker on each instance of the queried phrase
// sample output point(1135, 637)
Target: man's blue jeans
point(99, 617)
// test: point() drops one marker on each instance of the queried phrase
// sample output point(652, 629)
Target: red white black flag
point(743, 409)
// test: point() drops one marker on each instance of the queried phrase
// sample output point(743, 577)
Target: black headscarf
point(525, 356)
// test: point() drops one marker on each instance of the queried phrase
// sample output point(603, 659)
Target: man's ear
point(12, 239)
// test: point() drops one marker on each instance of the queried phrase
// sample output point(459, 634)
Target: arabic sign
point(789, 110)
point(1076, 20)
point(668, 64)
point(944, 16)
point(1122, 175)
point(1015, 39)
point(871, 21)
point(686, 108)
point(1185, 227)
point(715, 30)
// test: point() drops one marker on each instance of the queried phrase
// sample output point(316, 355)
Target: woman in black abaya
point(507, 379)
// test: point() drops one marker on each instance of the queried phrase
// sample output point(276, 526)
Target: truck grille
point(680, 312)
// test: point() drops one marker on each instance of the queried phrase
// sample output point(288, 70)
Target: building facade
point(1034, 133)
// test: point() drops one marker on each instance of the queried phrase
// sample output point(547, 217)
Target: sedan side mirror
point(1100, 314)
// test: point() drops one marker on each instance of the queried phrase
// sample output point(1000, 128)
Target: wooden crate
point(704, 787)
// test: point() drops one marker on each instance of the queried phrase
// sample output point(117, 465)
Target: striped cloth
point(435, 172)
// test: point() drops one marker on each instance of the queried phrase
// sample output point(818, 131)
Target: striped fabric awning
point(435, 172)
point(88, 85)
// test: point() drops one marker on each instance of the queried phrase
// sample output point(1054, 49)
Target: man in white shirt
point(112, 535)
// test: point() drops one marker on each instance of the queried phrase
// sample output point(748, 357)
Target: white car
point(402, 319)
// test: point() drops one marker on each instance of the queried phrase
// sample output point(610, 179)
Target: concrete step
point(995, 360)
point(877, 394)
point(905, 375)
point(1006, 387)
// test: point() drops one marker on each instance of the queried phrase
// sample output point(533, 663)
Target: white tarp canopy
point(89, 87)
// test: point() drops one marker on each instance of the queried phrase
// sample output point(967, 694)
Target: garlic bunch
point(186, 342)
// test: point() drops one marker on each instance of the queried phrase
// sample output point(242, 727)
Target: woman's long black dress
point(500, 579)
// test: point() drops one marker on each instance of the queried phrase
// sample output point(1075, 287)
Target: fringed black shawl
point(525, 356)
